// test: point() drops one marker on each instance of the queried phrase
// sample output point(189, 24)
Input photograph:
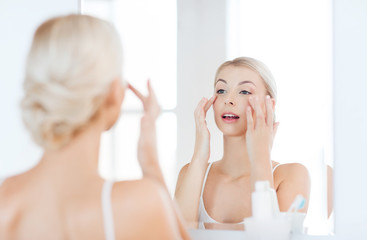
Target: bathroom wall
point(201, 48)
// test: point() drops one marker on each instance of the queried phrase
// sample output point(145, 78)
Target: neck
point(235, 160)
point(79, 157)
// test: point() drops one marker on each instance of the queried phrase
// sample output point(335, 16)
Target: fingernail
point(267, 97)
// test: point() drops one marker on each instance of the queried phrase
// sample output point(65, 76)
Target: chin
point(233, 131)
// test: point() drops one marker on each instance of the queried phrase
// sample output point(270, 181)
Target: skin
point(330, 189)
point(247, 145)
point(60, 198)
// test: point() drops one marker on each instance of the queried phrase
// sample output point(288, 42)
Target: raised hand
point(147, 149)
point(202, 142)
point(192, 175)
point(150, 103)
point(261, 130)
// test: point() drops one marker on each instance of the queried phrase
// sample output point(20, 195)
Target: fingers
point(255, 104)
point(200, 114)
point(200, 108)
point(210, 103)
point(150, 89)
point(136, 92)
point(250, 120)
point(269, 111)
point(151, 93)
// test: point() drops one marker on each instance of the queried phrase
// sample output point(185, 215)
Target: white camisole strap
point(276, 167)
point(107, 210)
point(206, 175)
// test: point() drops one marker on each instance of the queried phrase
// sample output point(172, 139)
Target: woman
point(73, 93)
point(243, 104)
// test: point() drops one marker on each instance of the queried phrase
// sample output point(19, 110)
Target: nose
point(229, 101)
point(230, 98)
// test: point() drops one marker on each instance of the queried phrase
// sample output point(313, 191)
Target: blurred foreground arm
point(147, 147)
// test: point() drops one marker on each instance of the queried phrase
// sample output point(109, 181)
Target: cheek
point(243, 103)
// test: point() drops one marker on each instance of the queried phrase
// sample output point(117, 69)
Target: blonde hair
point(257, 66)
point(71, 64)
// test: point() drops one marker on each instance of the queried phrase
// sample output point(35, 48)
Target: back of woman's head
point(71, 64)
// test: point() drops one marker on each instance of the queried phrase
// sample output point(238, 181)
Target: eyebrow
point(240, 83)
point(244, 82)
point(221, 80)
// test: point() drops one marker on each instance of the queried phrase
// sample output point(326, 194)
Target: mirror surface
point(293, 38)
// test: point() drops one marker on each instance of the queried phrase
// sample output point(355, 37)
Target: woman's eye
point(221, 91)
point(245, 92)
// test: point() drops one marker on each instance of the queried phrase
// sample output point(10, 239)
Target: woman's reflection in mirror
point(244, 103)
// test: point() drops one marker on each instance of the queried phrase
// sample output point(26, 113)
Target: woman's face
point(233, 87)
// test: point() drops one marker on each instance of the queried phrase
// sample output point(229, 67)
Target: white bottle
point(264, 201)
point(265, 222)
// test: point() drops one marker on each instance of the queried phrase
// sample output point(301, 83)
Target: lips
point(230, 117)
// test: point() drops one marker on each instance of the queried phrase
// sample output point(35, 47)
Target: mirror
point(191, 39)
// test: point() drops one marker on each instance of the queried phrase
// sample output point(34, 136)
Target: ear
point(116, 94)
point(273, 102)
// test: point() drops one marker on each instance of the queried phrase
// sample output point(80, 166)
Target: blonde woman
point(243, 103)
point(73, 92)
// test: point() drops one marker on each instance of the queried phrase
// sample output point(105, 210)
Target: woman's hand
point(150, 103)
point(191, 176)
point(202, 142)
point(147, 149)
point(261, 130)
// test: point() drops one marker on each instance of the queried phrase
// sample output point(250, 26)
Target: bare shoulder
point(137, 204)
point(291, 169)
point(184, 169)
point(186, 166)
point(181, 175)
point(294, 172)
point(137, 189)
point(290, 180)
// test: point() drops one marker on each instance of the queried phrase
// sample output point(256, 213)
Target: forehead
point(236, 74)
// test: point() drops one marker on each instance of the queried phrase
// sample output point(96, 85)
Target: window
point(148, 31)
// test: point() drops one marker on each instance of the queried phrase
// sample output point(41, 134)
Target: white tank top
point(108, 223)
point(203, 214)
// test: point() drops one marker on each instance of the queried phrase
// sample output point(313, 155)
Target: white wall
point(201, 48)
point(18, 21)
point(350, 117)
